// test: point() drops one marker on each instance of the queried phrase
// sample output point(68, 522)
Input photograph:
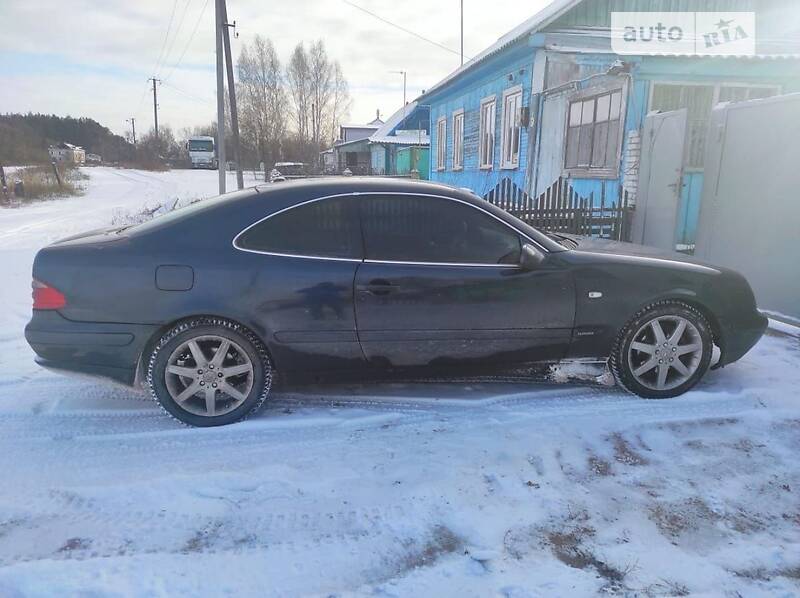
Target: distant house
point(327, 161)
point(395, 147)
point(351, 150)
point(355, 132)
point(67, 153)
point(551, 101)
point(94, 159)
point(401, 145)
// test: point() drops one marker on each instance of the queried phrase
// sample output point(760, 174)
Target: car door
point(441, 285)
point(302, 263)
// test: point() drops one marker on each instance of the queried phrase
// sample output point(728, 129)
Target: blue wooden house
point(552, 100)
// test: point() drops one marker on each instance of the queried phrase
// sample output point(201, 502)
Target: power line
point(166, 37)
point(401, 28)
point(158, 60)
point(177, 32)
point(141, 98)
point(189, 42)
point(188, 95)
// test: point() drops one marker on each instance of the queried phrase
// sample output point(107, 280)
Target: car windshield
point(201, 145)
point(562, 240)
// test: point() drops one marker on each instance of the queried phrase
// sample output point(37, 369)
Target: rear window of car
point(181, 213)
point(323, 228)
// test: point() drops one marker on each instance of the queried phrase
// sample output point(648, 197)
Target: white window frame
point(588, 94)
point(486, 162)
point(458, 139)
point(441, 144)
point(511, 126)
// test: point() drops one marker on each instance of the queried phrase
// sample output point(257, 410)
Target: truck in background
point(202, 152)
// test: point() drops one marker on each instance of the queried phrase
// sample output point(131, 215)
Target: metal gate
point(660, 179)
point(750, 214)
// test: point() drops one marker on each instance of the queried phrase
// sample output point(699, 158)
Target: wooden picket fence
point(561, 209)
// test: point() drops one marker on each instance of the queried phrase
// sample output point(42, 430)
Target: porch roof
point(388, 132)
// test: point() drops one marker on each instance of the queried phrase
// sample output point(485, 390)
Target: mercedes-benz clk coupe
point(207, 303)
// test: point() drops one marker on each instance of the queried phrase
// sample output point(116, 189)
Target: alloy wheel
point(665, 352)
point(209, 375)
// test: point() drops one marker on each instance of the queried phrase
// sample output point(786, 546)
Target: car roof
point(333, 185)
point(241, 208)
point(297, 191)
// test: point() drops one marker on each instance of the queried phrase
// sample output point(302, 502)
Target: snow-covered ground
point(461, 489)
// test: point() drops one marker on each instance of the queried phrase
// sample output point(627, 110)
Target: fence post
point(3, 184)
point(626, 218)
point(58, 175)
point(602, 209)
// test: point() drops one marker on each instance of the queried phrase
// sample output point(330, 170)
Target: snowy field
point(482, 489)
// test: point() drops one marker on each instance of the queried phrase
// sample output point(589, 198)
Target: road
point(466, 488)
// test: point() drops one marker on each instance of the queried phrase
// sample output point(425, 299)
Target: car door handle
point(378, 286)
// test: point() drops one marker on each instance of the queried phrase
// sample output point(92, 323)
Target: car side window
point(323, 228)
point(418, 228)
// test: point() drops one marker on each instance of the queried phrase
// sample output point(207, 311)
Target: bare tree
point(340, 105)
point(321, 78)
point(262, 99)
point(298, 77)
point(320, 97)
point(310, 98)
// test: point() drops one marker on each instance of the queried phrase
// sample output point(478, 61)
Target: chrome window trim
point(355, 260)
point(461, 265)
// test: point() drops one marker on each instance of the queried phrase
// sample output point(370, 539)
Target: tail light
point(47, 297)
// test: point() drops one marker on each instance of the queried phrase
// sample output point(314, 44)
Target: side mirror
point(531, 257)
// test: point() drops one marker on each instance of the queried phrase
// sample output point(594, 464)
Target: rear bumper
point(99, 349)
point(739, 335)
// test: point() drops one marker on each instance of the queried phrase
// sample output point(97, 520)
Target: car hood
point(631, 252)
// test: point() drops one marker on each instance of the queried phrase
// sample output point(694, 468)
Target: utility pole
point(404, 73)
point(155, 103)
point(226, 38)
point(462, 32)
point(218, 24)
point(132, 120)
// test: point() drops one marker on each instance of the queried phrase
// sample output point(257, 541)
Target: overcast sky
point(93, 57)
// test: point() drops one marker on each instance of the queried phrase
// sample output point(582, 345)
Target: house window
point(441, 144)
point(594, 134)
point(486, 132)
point(698, 101)
point(741, 93)
point(458, 140)
point(512, 102)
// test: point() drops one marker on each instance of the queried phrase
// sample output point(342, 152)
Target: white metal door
point(660, 179)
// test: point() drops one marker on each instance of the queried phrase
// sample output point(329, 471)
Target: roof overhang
point(541, 19)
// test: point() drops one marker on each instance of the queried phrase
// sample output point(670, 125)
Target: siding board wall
point(518, 66)
point(544, 139)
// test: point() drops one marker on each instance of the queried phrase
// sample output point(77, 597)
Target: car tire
point(663, 351)
point(198, 386)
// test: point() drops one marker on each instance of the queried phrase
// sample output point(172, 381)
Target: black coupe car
point(208, 302)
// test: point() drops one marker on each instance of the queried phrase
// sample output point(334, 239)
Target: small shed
point(414, 161)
